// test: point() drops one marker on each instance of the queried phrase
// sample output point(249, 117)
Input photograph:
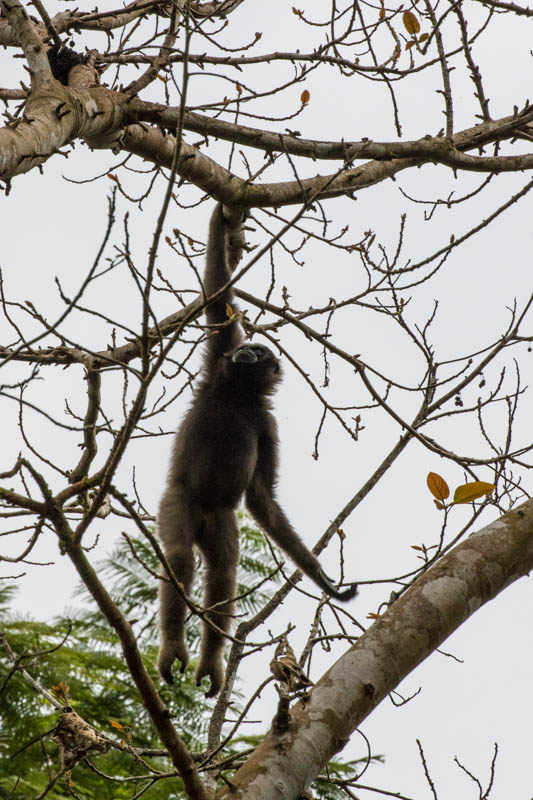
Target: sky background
point(51, 226)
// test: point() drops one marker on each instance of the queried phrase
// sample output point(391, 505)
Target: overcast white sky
point(52, 227)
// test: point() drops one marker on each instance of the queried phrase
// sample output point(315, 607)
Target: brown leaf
point(423, 37)
point(471, 491)
point(410, 22)
point(382, 12)
point(304, 97)
point(437, 486)
point(410, 44)
point(439, 505)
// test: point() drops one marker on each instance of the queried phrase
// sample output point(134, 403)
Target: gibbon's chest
point(218, 455)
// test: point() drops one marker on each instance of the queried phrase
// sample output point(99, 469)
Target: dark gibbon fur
point(226, 447)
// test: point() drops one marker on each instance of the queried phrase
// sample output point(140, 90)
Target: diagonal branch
point(439, 602)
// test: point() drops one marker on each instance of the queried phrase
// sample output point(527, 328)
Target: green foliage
point(82, 652)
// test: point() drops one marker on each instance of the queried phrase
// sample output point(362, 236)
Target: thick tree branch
point(177, 751)
point(438, 149)
point(473, 573)
point(27, 37)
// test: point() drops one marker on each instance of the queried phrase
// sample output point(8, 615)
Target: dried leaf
point(437, 486)
point(382, 12)
point(238, 87)
point(229, 311)
point(410, 44)
point(304, 97)
point(439, 505)
point(297, 11)
point(112, 177)
point(423, 37)
point(410, 22)
point(286, 669)
point(115, 724)
point(417, 547)
point(471, 491)
point(372, 615)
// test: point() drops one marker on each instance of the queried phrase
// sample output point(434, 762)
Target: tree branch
point(473, 573)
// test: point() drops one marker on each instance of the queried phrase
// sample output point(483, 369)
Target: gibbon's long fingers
point(329, 587)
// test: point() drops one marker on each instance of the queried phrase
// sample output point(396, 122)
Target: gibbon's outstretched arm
point(217, 273)
point(264, 508)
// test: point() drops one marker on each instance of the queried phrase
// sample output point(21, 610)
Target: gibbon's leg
point(177, 525)
point(219, 543)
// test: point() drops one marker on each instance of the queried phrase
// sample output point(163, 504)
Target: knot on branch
point(75, 738)
point(61, 60)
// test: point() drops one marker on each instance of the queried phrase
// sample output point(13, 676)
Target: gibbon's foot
point(214, 670)
point(169, 652)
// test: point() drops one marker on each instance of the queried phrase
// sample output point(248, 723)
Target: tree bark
point(414, 626)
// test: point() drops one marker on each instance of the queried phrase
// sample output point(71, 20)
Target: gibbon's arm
point(264, 508)
point(217, 273)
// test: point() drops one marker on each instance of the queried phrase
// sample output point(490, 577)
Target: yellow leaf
point(437, 486)
point(304, 97)
point(115, 724)
point(471, 491)
point(373, 616)
point(410, 22)
point(229, 311)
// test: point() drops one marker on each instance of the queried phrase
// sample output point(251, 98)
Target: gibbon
point(226, 447)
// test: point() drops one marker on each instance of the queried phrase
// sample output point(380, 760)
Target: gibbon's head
point(256, 366)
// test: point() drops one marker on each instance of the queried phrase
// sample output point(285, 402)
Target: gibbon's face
point(257, 358)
